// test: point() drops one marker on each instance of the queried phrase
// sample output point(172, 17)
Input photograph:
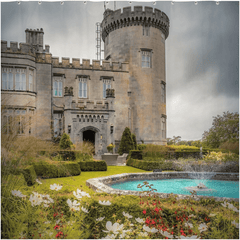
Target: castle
point(93, 102)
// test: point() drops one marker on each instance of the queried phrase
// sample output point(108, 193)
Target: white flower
point(235, 224)
point(212, 215)
point(166, 234)
point(105, 202)
point(224, 204)
point(191, 215)
point(58, 221)
point(144, 234)
point(38, 195)
point(202, 227)
point(109, 237)
point(79, 194)
point(115, 228)
point(38, 181)
point(55, 187)
point(232, 207)
point(148, 229)
point(45, 205)
point(17, 193)
point(35, 200)
point(73, 205)
point(47, 222)
point(127, 215)
point(139, 220)
point(122, 235)
point(188, 224)
point(100, 219)
point(84, 210)
point(192, 237)
point(47, 199)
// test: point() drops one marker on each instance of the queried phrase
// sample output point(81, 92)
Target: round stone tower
point(138, 37)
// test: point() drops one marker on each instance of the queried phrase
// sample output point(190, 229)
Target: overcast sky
point(202, 51)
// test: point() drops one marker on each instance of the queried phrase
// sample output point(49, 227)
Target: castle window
point(163, 121)
point(7, 123)
point(21, 125)
point(146, 59)
point(30, 80)
point(163, 92)
point(7, 79)
point(146, 31)
point(106, 85)
point(82, 92)
point(20, 79)
point(57, 86)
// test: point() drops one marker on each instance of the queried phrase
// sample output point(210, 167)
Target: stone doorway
point(89, 136)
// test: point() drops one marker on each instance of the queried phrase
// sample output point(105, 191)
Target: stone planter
point(110, 159)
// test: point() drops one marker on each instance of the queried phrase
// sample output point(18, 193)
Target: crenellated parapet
point(96, 64)
point(115, 19)
point(22, 48)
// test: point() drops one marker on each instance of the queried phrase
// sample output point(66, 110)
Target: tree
point(224, 129)
point(134, 141)
point(65, 142)
point(126, 143)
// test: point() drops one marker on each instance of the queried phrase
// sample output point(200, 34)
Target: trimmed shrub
point(60, 169)
point(150, 165)
point(93, 166)
point(134, 141)
point(29, 175)
point(126, 143)
point(67, 155)
point(80, 156)
point(136, 154)
point(141, 146)
point(65, 142)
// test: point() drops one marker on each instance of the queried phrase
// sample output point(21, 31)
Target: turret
point(138, 37)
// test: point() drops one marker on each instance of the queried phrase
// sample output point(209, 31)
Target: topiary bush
point(93, 166)
point(126, 143)
point(57, 169)
point(66, 144)
point(29, 175)
point(150, 165)
point(136, 154)
point(134, 141)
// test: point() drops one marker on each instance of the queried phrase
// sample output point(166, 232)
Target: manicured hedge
point(29, 175)
point(61, 169)
point(93, 165)
point(136, 154)
point(149, 165)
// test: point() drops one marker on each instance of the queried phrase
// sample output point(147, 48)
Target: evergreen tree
point(134, 141)
point(126, 143)
point(65, 142)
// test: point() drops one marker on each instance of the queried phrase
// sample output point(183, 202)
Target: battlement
point(96, 65)
point(21, 48)
point(90, 105)
point(115, 19)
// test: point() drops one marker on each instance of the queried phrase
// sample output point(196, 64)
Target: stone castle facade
point(95, 101)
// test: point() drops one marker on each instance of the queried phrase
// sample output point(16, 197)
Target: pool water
point(220, 188)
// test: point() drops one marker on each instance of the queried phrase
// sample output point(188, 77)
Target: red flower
point(144, 212)
point(57, 227)
point(172, 232)
point(174, 202)
point(153, 222)
point(156, 210)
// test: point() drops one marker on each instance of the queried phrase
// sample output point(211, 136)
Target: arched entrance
point(89, 136)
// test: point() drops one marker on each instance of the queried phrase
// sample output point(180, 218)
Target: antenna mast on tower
point(98, 40)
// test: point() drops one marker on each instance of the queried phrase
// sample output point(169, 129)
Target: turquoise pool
point(220, 188)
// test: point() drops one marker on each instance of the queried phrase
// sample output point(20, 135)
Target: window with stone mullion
point(7, 79)
point(82, 88)
point(20, 80)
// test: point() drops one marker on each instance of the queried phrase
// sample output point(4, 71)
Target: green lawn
point(71, 184)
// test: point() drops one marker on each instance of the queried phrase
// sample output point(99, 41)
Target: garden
point(44, 194)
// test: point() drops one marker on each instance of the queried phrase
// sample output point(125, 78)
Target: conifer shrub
point(134, 141)
point(126, 143)
point(66, 144)
point(93, 166)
